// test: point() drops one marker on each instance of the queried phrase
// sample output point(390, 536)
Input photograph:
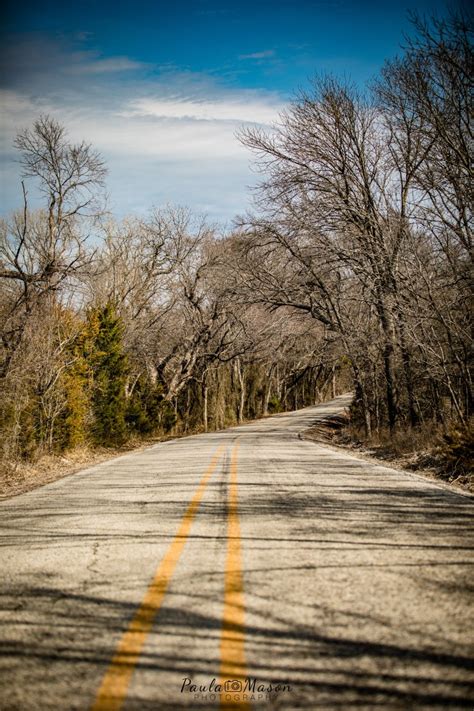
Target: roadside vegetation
point(353, 272)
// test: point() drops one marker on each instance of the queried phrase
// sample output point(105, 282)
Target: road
point(293, 574)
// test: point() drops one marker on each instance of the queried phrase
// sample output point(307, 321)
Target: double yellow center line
point(115, 683)
point(233, 668)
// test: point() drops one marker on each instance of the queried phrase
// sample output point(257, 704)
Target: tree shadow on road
point(330, 536)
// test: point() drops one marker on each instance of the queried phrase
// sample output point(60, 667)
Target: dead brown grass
point(428, 449)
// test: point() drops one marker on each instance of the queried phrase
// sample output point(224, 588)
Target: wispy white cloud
point(101, 66)
point(156, 153)
point(166, 135)
point(265, 54)
point(18, 111)
point(237, 107)
point(46, 65)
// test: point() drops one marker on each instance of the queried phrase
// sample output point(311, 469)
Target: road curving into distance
point(248, 569)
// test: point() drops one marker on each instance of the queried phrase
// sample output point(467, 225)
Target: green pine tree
point(110, 368)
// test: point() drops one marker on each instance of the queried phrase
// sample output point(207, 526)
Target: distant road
point(244, 554)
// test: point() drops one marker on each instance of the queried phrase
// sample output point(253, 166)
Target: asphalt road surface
point(245, 569)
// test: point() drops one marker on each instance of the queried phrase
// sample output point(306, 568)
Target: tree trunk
point(266, 398)
point(388, 330)
point(361, 391)
point(241, 379)
point(204, 407)
point(407, 369)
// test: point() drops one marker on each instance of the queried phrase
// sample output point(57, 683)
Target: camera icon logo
point(233, 685)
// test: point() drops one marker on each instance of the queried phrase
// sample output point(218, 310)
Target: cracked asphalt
point(250, 553)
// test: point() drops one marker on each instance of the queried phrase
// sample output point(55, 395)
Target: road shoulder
point(327, 430)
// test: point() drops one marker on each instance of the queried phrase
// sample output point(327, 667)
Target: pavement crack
point(91, 566)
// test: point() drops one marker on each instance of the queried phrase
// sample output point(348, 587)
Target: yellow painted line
point(113, 689)
point(233, 667)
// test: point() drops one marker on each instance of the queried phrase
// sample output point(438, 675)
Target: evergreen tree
point(109, 364)
point(144, 407)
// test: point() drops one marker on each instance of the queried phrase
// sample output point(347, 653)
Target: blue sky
point(160, 89)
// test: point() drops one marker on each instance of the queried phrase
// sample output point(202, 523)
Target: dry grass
point(425, 449)
point(402, 443)
point(428, 449)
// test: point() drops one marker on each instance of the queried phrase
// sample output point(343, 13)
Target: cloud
point(166, 136)
point(165, 140)
point(42, 65)
point(101, 66)
point(240, 107)
point(152, 159)
point(18, 111)
point(265, 54)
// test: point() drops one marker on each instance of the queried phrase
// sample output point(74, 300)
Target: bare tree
point(41, 251)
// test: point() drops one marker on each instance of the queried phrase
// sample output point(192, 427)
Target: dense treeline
point(135, 331)
point(366, 218)
point(356, 268)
